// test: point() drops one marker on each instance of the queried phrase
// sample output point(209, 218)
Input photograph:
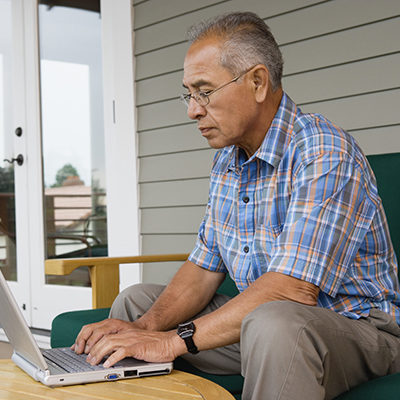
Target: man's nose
point(195, 110)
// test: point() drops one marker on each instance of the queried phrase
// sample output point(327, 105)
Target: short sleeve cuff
point(204, 258)
point(328, 280)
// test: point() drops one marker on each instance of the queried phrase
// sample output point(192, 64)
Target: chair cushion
point(228, 287)
point(66, 326)
point(385, 388)
point(386, 168)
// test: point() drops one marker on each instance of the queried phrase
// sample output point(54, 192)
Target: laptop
point(61, 366)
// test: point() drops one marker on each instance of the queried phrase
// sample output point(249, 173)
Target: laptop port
point(133, 372)
point(111, 377)
point(152, 373)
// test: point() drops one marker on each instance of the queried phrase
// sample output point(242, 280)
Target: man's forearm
point(222, 327)
point(191, 289)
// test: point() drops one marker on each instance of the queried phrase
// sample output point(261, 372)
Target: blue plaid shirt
point(305, 205)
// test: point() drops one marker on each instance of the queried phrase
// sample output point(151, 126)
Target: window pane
point(7, 204)
point(73, 134)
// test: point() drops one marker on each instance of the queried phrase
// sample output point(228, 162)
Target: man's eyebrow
point(197, 84)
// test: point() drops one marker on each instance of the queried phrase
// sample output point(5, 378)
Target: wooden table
point(16, 385)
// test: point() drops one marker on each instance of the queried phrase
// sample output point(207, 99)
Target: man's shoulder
point(315, 136)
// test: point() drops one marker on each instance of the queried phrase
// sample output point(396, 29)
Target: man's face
point(229, 117)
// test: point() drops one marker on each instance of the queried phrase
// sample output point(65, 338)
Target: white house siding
point(342, 59)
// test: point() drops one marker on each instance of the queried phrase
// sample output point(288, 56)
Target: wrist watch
point(186, 332)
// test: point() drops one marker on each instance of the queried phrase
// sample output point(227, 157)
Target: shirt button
point(246, 249)
point(246, 199)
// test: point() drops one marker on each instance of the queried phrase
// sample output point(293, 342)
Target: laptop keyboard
point(70, 361)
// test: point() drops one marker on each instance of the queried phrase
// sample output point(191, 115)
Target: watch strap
point(192, 348)
point(186, 332)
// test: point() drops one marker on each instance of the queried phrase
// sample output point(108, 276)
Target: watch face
point(186, 330)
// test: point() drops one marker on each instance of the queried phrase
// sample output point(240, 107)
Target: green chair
point(386, 168)
point(67, 325)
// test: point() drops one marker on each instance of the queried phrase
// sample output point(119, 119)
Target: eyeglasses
point(203, 98)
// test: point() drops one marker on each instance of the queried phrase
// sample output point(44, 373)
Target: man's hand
point(141, 344)
point(92, 333)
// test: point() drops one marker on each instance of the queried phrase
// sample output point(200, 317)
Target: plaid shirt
point(305, 205)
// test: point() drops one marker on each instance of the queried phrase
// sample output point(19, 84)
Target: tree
point(63, 173)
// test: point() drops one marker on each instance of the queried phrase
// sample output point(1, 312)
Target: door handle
point(19, 160)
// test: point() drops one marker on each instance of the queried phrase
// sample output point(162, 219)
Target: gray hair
point(247, 41)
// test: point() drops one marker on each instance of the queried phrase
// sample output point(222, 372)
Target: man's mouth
point(204, 129)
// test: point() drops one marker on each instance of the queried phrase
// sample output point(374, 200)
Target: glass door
point(72, 134)
point(73, 151)
point(53, 203)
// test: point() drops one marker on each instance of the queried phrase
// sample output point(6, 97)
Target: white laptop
point(61, 367)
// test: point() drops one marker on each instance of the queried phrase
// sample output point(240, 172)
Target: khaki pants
point(288, 350)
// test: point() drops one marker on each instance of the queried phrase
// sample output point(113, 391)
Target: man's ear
point(260, 81)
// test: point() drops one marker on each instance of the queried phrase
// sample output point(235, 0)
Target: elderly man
point(293, 216)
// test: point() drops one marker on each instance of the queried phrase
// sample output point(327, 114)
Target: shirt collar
point(276, 139)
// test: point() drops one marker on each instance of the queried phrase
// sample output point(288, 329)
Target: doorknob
point(19, 160)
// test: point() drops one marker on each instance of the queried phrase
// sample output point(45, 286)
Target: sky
point(65, 118)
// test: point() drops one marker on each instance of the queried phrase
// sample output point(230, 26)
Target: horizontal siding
point(310, 19)
point(193, 192)
point(159, 88)
point(384, 140)
point(171, 140)
point(155, 11)
point(161, 273)
point(361, 111)
point(342, 47)
point(388, 142)
point(342, 59)
point(378, 74)
point(187, 165)
point(169, 113)
point(330, 17)
point(172, 31)
point(318, 52)
point(173, 243)
point(172, 220)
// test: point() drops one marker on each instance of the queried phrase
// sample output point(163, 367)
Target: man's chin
point(215, 143)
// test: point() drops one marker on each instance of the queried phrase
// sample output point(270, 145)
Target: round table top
point(17, 385)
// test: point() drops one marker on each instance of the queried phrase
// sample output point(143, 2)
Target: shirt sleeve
point(206, 253)
point(329, 214)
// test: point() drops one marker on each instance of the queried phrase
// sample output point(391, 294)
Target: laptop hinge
point(29, 368)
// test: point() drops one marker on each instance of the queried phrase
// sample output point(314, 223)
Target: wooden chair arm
point(104, 272)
